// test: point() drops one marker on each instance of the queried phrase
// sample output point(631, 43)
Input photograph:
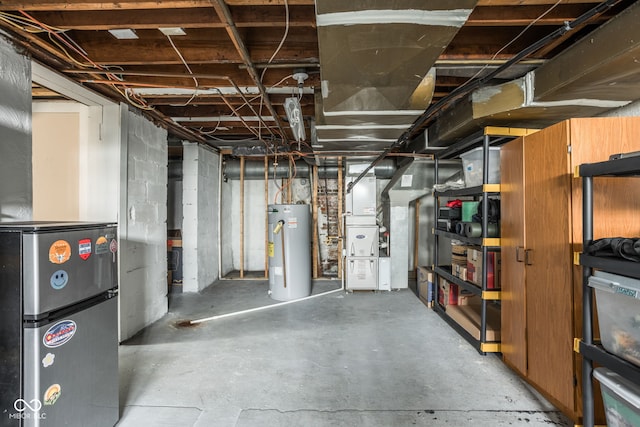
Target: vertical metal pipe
point(314, 222)
point(290, 182)
point(242, 217)
point(436, 204)
point(266, 217)
point(587, 303)
point(416, 234)
point(340, 228)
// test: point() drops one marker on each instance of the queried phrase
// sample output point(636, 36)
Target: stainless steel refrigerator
point(58, 324)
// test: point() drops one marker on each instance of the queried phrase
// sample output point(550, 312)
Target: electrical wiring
point(524, 30)
point(195, 92)
point(66, 40)
point(16, 20)
point(66, 53)
point(289, 181)
point(275, 53)
point(211, 132)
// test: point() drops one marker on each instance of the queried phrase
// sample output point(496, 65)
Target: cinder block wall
point(200, 217)
point(143, 226)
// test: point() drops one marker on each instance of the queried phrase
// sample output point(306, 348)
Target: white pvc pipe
point(251, 310)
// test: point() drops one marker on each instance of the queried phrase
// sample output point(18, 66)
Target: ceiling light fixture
point(172, 31)
point(294, 114)
point(124, 34)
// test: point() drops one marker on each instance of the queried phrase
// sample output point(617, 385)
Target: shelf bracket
point(490, 347)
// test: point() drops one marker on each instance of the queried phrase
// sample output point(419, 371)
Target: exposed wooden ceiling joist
point(495, 31)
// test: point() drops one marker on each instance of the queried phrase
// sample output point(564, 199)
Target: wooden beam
point(152, 19)
point(65, 5)
point(242, 217)
point(523, 15)
point(158, 51)
point(314, 222)
point(529, 2)
point(270, 2)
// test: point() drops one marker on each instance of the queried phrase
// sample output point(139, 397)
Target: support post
point(416, 241)
point(340, 230)
point(242, 160)
point(266, 217)
point(314, 222)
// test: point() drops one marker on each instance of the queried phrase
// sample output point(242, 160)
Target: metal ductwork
point(596, 74)
point(377, 58)
point(255, 170)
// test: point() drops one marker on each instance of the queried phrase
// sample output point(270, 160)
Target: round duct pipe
point(255, 170)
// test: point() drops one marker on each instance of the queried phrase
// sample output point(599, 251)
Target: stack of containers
point(618, 306)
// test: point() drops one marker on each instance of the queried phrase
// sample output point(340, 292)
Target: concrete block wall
point(16, 200)
point(143, 228)
point(200, 191)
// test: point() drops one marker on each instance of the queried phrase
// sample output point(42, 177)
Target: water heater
point(289, 250)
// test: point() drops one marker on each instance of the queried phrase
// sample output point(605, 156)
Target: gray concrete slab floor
point(343, 359)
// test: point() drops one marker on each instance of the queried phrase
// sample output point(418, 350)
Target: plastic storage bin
point(618, 314)
point(621, 399)
point(473, 167)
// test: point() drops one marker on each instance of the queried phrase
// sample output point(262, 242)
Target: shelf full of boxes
point(467, 292)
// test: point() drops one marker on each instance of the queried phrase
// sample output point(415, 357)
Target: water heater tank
point(289, 251)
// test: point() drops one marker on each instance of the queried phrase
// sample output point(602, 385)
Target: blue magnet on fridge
point(59, 279)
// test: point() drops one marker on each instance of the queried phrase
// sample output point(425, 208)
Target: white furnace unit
point(289, 250)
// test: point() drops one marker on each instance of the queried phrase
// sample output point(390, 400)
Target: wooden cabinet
point(541, 229)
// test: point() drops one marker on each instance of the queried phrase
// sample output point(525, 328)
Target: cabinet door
point(549, 293)
point(513, 312)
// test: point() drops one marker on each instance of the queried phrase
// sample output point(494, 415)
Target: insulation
point(598, 73)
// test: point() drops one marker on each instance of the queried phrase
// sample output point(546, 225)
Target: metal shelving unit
point(590, 350)
point(491, 136)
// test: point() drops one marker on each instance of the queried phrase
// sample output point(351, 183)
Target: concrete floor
point(360, 359)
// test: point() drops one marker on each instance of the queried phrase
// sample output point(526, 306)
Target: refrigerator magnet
point(102, 245)
point(52, 394)
point(59, 280)
point(48, 360)
point(84, 248)
point(59, 334)
point(59, 252)
point(113, 246)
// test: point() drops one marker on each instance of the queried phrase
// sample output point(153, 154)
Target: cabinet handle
point(519, 254)
point(528, 256)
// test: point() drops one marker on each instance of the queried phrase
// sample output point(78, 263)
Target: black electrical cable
point(472, 85)
point(466, 88)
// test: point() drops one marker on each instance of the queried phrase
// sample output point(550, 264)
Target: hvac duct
point(595, 74)
point(377, 58)
point(255, 170)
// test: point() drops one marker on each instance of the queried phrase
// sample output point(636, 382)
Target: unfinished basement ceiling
point(219, 71)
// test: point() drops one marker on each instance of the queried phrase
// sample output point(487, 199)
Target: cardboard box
point(468, 316)
point(459, 250)
point(447, 293)
point(426, 287)
point(465, 297)
point(459, 271)
point(474, 268)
